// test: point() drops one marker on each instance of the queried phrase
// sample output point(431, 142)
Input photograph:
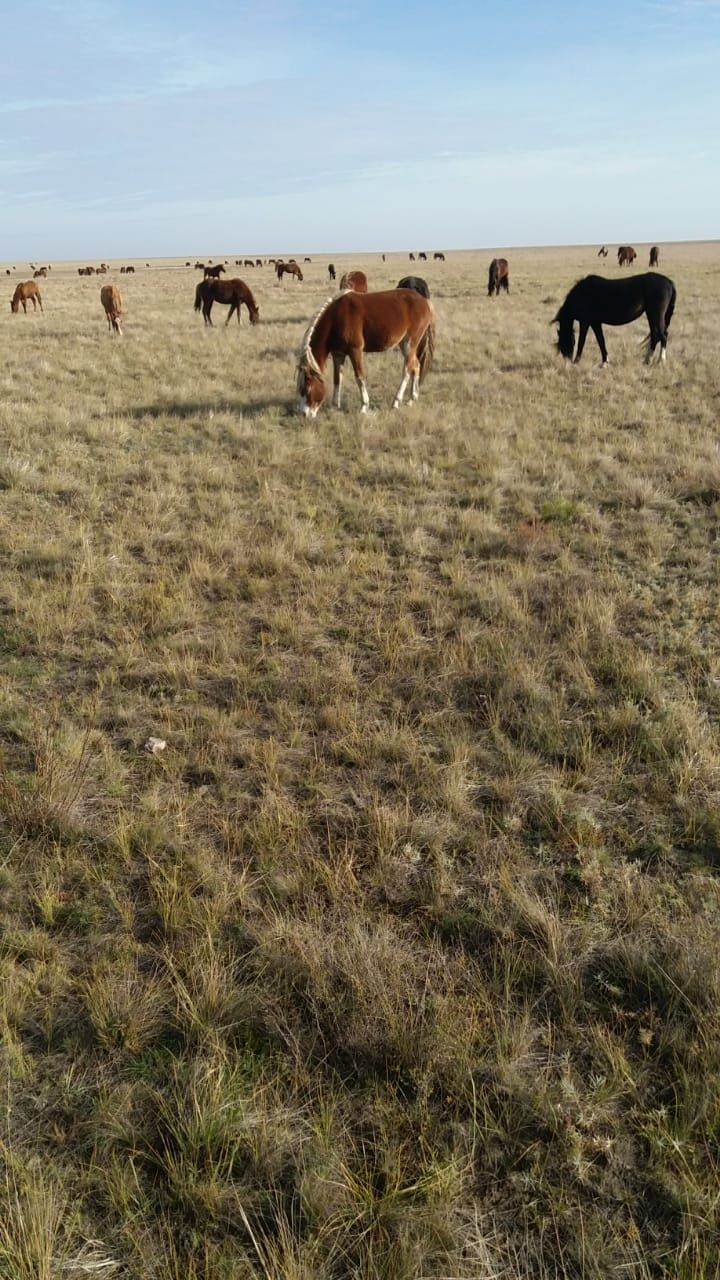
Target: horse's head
point(311, 387)
point(14, 305)
point(566, 333)
point(254, 313)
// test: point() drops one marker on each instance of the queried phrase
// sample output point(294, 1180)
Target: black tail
point(670, 307)
point(492, 277)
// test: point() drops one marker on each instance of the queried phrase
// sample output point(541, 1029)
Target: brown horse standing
point(289, 269)
point(602, 252)
point(498, 276)
point(355, 280)
point(654, 256)
point(438, 257)
point(111, 298)
point(27, 292)
point(213, 272)
point(331, 270)
point(626, 255)
point(354, 323)
point(230, 293)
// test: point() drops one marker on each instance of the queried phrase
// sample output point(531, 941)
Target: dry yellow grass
point(401, 959)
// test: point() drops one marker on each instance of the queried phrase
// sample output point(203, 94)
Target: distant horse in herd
point(414, 282)
point(213, 273)
point(232, 293)
point(498, 276)
point(331, 270)
point(355, 280)
point(602, 252)
point(438, 257)
point(626, 255)
point(654, 256)
point(41, 273)
point(288, 269)
point(355, 323)
point(422, 257)
point(24, 293)
point(595, 301)
point(127, 271)
point(111, 298)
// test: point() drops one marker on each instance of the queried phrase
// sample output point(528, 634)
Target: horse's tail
point(670, 306)
point(492, 276)
point(426, 349)
point(198, 296)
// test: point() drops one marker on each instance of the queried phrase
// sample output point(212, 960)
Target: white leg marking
point(337, 398)
point(663, 355)
point(415, 386)
point(401, 390)
point(365, 396)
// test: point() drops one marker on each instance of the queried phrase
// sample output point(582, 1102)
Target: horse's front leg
point(338, 362)
point(356, 360)
point(600, 338)
point(584, 326)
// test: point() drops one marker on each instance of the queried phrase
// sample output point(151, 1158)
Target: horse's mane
point(306, 359)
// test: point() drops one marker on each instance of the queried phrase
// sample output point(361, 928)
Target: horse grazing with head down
point(232, 293)
point(24, 293)
point(595, 301)
point(654, 256)
point(602, 252)
point(355, 280)
point(111, 298)
point(626, 255)
point(213, 273)
point(438, 257)
point(498, 276)
point(289, 269)
point(355, 323)
point(414, 282)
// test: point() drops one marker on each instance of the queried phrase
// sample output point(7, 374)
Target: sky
point(207, 127)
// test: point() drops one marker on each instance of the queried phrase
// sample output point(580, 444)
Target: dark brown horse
point(411, 257)
point(213, 273)
point(654, 256)
point(422, 257)
point(602, 252)
point(111, 298)
point(414, 282)
point(355, 280)
point(40, 273)
point(26, 292)
point(289, 269)
point(595, 301)
point(331, 270)
point(438, 257)
point(355, 323)
point(230, 293)
point(498, 276)
point(249, 262)
point(626, 255)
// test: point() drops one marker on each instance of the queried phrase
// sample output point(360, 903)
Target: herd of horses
point(626, 255)
point(357, 321)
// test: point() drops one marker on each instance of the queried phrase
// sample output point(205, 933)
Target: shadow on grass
point(204, 409)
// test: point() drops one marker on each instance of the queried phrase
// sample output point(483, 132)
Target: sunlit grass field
point(401, 959)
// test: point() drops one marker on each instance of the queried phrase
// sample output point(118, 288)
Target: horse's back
point(376, 321)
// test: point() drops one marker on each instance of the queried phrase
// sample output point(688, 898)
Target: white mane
point(306, 359)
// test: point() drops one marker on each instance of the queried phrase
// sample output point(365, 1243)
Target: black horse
point(414, 282)
point(654, 256)
point(498, 276)
point(595, 301)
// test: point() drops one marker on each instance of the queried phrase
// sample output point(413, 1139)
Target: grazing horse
point(355, 323)
point(498, 276)
point(289, 269)
point(355, 280)
point(258, 262)
point(213, 272)
point(438, 257)
point(307, 259)
point(654, 256)
point(249, 262)
point(411, 257)
point(230, 293)
point(422, 257)
point(41, 272)
point(602, 252)
point(111, 298)
point(331, 270)
point(595, 301)
point(27, 292)
point(626, 255)
point(414, 282)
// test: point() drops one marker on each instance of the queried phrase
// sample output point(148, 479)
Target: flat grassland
point(401, 959)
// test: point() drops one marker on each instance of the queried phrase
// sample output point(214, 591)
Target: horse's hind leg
point(338, 362)
point(229, 314)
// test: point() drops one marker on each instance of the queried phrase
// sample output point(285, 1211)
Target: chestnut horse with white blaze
point(111, 298)
point(355, 323)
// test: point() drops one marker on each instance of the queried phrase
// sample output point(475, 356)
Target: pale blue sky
point(165, 127)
